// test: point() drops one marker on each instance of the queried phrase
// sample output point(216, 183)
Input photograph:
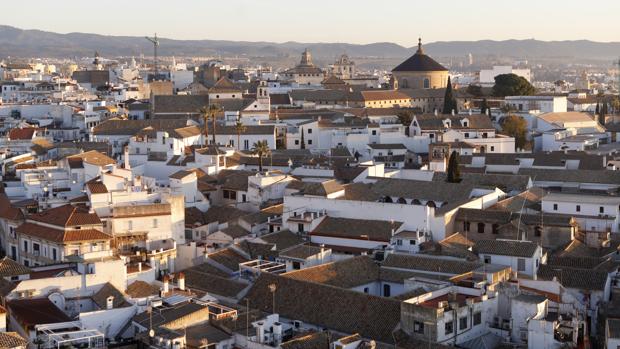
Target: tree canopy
point(512, 85)
point(516, 127)
point(454, 173)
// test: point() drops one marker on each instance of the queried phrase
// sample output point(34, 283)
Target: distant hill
point(16, 42)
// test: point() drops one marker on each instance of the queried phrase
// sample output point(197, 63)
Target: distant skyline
point(350, 21)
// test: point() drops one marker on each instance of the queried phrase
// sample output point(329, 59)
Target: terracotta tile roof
point(514, 248)
point(93, 157)
point(214, 284)
point(327, 306)
point(36, 311)
point(22, 133)
point(9, 267)
point(222, 214)
point(141, 289)
point(62, 236)
point(282, 239)
point(382, 95)
point(311, 340)
point(360, 229)
point(301, 252)
point(97, 188)
point(228, 258)
point(9, 340)
point(66, 216)
point(583, 279)
point(8, 211)
point(347, 273)
point(419, 62)
point(429, 264)
point(108, 290)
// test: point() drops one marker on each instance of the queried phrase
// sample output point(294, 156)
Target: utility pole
point(155, 41)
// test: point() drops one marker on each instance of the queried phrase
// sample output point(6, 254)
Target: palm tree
point(209, 113)
point(240, 128)
point(260, 148)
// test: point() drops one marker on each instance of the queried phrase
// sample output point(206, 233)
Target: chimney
point(110, 302)
point(277, 333)
point(139, 267)
point(436, 112)
point(453, 113)
point(181, 279)
point(126, 157)
point(260, 332)
point(166, 284)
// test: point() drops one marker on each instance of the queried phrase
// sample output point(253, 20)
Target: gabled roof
point(7, 210)
point(436, 122)
point(347, 273)
point(66, 216)
point(108, 290)
point(317, 188)
point(327, 306)
point(62, 236)
point(9, 267)
point(583, 279)
point(92, 157)
point(180, 104)
point(429, 264)
point(513, 248)
point(22, 133)
point(360, 229)
point(118, 127)
point(224, 85)
point(141, 289)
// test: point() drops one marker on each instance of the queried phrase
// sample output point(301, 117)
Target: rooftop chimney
point(110, 302)
point(126, 157)
point(166, 284)
point(181, 278)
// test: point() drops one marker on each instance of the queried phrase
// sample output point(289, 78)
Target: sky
point(351, 21)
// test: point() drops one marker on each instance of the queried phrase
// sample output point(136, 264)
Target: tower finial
point(420, 45)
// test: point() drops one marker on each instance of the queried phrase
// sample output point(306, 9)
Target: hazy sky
point(353, 21)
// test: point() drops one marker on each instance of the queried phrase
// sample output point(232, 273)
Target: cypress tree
point(449, 102)
point(598, 109)
point(303, 142)
point(484, 106)
point(454, 173)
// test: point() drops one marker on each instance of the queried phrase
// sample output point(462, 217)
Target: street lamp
point(272, 289)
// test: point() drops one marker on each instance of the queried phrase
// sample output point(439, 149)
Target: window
point(36, 248)
point(386, 290)
point(487, 259)
point(448, 328)
point(309, 141)
point(578, 208)
point(477, 318)
point(538, 231)
point(484, 134)
point(495, 228)
point(366, 290)
point(463, 323)
point(418, 327)
point(246, 144)
point(374, 132)
point(492, 148)
point(155, 223)
point(12, 232)
point(296, 265)
point(601, 209)
point(297, 142)
point(466, 134)
point(300, 227)
point(427, 83)
point(555, 207)
point(243, 198)
point(26, 262)
point(129, 225)
point(466, 226)
point(411, 242)
point(481, 228)
point(25, 246)
point(399, 242)
point(309, 131)
point(54, 254)
point(521, 264)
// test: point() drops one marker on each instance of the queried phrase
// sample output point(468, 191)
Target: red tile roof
point(7, 211)
point(22, 133)
point(57, 235)
point(66, 216)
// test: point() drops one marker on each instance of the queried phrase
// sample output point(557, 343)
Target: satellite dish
point(151, 333)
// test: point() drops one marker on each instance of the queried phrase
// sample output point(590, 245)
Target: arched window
point(402, 201)
point(416, 202)
point(386, 290)
point(431, 204)
point(481, 228)
point(404, 83)
point(427, 83)
point(387, 199)
point(538, 231)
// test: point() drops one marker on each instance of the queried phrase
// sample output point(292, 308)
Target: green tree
point(516, 127)
point(484, 106)
point(512, 85)
point(303, 142)
point(475, 90)
point(405, 117)
point(454, 173)
point(260, 149)
point(449, 102)
point(239, 128)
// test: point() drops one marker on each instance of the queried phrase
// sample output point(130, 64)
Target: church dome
point(419, 62)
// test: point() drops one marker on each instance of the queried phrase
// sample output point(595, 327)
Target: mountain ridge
point(17, 42)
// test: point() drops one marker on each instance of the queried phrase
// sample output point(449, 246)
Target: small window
point(463, 323)
point(374, 132)
point(297, 142)
point(309, 131)
point(418, 327)
point(578, 208)
point(309, 141)
point(487, 259)
point(386, 290)
point(495, 228)
point(366, 290)
point(521, 264)
point(399, 242)
point(155, 223)
point(466, 226)
point(555, 207)
point(411, 242)
point(477, 318)
point(601, 209)
point(448, 328)
point(481, 228)
point(492, 148)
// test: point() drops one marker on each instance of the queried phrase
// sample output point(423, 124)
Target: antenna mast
point(155, 41)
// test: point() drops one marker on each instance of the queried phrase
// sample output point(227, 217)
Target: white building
point(487, 76)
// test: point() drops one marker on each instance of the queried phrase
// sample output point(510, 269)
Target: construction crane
point(155, 41)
